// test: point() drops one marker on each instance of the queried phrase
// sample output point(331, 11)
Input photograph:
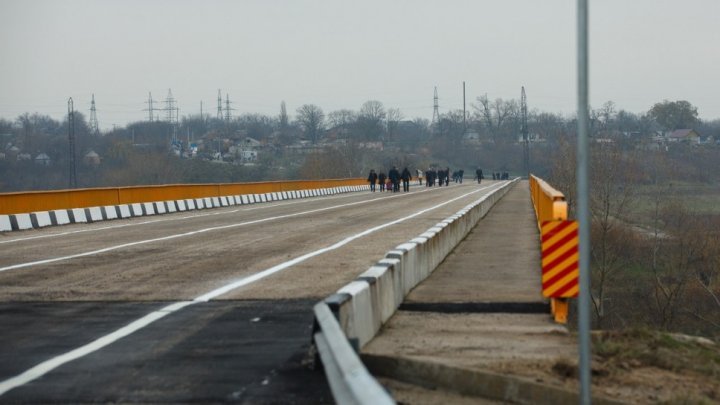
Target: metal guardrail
point(550, 205)
point(349, 380)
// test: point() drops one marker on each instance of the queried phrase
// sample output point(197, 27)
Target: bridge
point(267, 292)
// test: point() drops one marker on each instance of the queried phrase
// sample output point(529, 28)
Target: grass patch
point(643, 347)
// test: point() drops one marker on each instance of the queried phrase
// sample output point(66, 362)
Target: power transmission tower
point(219, 106)
point(171, 109)
point(227, 108)
point(524, 132)
point(72, 178)
point(150, 108)
point(94, 127)
point(436, 109)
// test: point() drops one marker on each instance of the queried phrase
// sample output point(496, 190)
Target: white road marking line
point(55, 362)
point(185, 234)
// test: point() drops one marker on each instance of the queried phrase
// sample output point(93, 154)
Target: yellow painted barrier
point(34, 201)
point(550, 205)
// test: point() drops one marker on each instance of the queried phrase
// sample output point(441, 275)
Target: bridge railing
point(33, 201)
point(558, 240)
point(549, 203)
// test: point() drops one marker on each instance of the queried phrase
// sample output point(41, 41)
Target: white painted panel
point(95, 214)
point(110, 212)
point(43, 219)
point(160, 207)
point(5, 223)
point(23, 221)
point(137, 209)
point(61, 216)
point(124, 211)
point(149, 209)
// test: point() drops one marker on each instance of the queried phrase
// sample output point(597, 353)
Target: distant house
point(250, 143)
point(684, 135)
point(91, 158)
point(24, 156)
point(42, 159)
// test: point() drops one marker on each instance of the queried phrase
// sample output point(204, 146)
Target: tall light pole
point(583, 203)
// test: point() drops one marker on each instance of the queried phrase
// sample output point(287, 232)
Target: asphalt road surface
point(206, 306)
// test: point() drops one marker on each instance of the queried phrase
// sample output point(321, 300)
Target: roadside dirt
point(638, 367)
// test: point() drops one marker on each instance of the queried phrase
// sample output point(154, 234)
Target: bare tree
point(610, 199)
point(283, 119)
point(371, 120)
point(394, 116)
point(311, 119)
point(496, 115)
point(342, 118)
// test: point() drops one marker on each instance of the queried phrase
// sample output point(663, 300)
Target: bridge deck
point(480, 311)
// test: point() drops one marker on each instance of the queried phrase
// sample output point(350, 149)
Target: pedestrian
point(479, 174)
point(372, 178)
point(405, 176)
point(419, 176)
point(381, 179)
point(447, 176)
point(394, 176)
point(461, 172)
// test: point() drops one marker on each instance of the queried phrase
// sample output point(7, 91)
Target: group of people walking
point(391, 181)
point(432, 176)
point(441, 176)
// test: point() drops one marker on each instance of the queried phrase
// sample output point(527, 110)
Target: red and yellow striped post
point(560, 265)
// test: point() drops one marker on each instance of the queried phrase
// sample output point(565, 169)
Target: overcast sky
point(339, 54)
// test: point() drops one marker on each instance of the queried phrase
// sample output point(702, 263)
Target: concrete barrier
point(349, 380)
point(39, 219)
point(361, 307)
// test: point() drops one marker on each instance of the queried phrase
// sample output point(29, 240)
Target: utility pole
point(72, 181)
point(201, 111)
point(464, 112)
point(583, 204)
point(524, 132)
point(150, 108)
point(94, 127)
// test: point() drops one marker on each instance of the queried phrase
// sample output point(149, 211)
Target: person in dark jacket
point(405, 176)
point(381, 179)
point(372, 178)
point(447, 176)
point(479, 174)
point(394, 176)
point(461, 173)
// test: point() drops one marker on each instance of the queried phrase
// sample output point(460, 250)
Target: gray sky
point(339, 54)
